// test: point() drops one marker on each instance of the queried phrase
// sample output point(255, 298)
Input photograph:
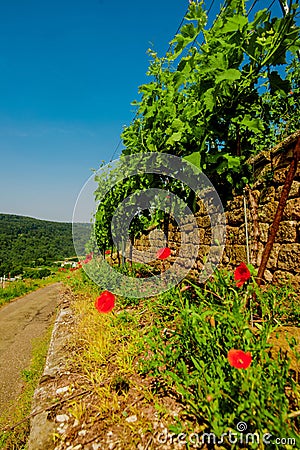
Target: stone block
point(235, 217)
point(264, 231)
point(287, 232)
point(289, 258)
point(236, 235)
point(203, 221)
point(201, 209)
point(174, 235)
point(267, 195)
point(283, 277)
point(201, 232)
point(234, 254)
point(266, 212)
point(294, 192)
point(292, 209)
point(280, 175)
point(235, 211)
point(268, 276)
point(236, 203)
point(203, 251)
point(207, 237)
point(187, 228)
point(273, 258)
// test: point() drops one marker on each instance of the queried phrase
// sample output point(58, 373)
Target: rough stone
point(289, 258)
point(203, 251)
point(267, 195)
point(235, 254)
point(235, 216)
point(131, 419)
point(266, 212)
point(62, 390)
point(203, 221)
point(287, 232)
point(264, 231)
point(41, 427)
point(268, 276)
point(292, 209)
point(61, 418)
point(294, 192)
point(283, 277)
point(235, 235)
point(270, 177)
point(280, 175)
point(273, 258)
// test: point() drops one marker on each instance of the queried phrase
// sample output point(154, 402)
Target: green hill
point(28, 242)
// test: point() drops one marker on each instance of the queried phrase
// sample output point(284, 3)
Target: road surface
point(22, 321)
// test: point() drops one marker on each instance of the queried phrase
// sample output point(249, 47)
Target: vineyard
point(161, 356)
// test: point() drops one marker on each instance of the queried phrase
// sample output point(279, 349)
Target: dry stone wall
point(270, 169)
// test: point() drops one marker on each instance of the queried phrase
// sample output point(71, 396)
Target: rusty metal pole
point(279, 212)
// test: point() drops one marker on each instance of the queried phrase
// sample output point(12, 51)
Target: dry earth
point(21, 321)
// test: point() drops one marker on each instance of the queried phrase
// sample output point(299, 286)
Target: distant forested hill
point(27, 242)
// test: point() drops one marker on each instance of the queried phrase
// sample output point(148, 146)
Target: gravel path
point(21, 321)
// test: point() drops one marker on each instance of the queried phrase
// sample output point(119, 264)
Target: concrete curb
point(43, 424)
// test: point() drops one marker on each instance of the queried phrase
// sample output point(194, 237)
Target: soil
point(22, 321)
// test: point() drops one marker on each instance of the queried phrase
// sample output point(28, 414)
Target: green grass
point(19, 288)
point(17, 437)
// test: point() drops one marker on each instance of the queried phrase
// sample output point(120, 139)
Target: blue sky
point(68, 73)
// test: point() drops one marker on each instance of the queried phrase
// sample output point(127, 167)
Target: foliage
point(27, 242)
point(38, 273)
point(189, 354)
point(214, 104)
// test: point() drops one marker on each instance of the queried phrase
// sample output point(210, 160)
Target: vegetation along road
point(20, 322)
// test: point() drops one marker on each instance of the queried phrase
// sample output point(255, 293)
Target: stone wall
point(270, 169)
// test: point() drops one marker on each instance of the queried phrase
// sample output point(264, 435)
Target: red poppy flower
point(163, 253)
point(107, 252)
point(88, 258)
point(241, 274)
point(105, 302)
point(239, 359)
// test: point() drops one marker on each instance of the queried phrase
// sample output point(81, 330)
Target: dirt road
point(21, 321)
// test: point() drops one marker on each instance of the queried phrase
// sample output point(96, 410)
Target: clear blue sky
point(68, 73)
